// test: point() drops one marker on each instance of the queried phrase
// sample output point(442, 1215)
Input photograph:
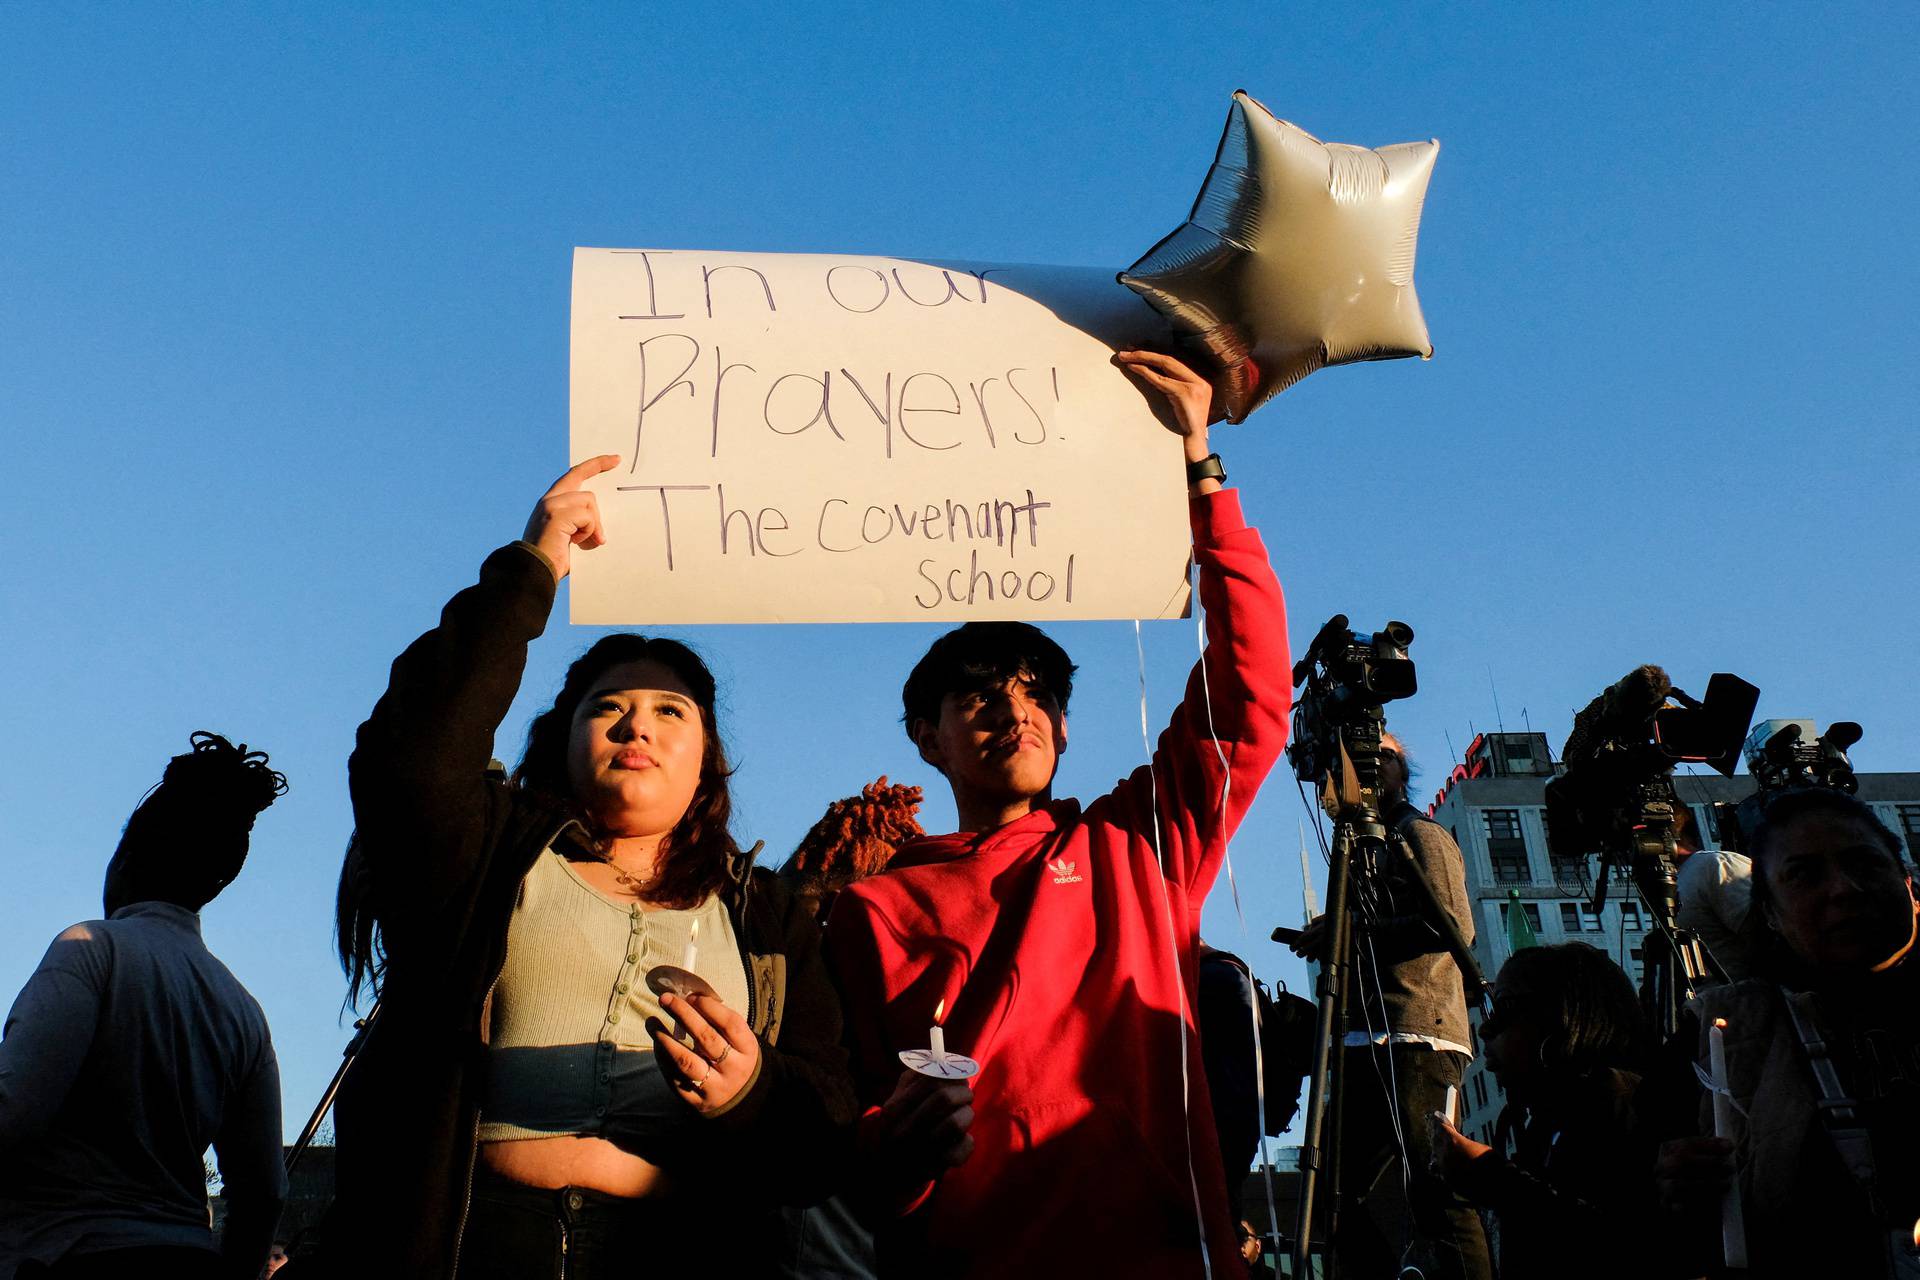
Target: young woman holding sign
point(522, 1107)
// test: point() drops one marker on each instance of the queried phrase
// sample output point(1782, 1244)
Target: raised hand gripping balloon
point(1298, 254)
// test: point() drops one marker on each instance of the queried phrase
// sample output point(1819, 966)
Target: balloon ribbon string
point(1233, 885)
point(1173, 942)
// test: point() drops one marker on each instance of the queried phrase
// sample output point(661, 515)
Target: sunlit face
point(1511, 1035)
point(1393, 767)
point(997, 743)
point(1840, 900)
point(635, 752)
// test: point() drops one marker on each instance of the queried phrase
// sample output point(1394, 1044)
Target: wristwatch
point(1208, 468)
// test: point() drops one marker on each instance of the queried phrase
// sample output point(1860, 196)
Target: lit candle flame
point(936, 1038)
point(1720, 1022)
point(1916, 1233)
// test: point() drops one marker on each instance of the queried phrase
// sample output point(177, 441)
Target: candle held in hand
point(1733, 1227)
point(693, 947)
point(934, 1060)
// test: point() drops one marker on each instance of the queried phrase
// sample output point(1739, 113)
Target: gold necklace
point(627, 881)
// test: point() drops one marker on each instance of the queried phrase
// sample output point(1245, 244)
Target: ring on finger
point(700, 1085)
point(723, 1055)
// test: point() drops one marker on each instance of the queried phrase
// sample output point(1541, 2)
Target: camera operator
point(1715, 889)
point(1405, 1045)
point(1826, 1190)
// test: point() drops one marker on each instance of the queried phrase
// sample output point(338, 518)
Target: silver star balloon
point(1298, 254)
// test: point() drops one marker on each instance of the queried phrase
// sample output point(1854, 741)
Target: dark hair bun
point(222, 780)
point(188, 839)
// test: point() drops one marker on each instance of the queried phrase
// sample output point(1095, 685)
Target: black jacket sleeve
point(795, 1124)
point(423, 804)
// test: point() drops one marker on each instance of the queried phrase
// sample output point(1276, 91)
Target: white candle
point(693, 947)
point(936, 1035)
point(1733, 1227)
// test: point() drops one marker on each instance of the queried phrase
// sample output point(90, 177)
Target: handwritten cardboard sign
point(810, 438)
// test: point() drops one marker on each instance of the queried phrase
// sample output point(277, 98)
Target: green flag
point(1520, 934)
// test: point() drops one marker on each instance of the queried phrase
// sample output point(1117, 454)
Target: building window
point(1630, 915)
point(1636, 970)
point(1507, 847)
point(1910, 828)
point(1480, 1089)
point(1578, 918)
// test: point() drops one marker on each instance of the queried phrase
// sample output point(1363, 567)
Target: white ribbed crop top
point(568, 1048)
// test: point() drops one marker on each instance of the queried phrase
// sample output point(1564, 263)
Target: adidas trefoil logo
point(1062, 871)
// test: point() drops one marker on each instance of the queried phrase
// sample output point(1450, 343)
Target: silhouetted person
point(1565, 1041)
point(132, 1049)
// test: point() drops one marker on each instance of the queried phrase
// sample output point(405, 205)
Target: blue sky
point(283, 353)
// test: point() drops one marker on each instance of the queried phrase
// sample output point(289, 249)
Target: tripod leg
point(1330, 1024)
point(1343, 945)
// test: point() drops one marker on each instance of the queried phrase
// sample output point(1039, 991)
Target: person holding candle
point(522, 1103)
point(1832, 1016)
point(1569, 1162)
point(1059, 941)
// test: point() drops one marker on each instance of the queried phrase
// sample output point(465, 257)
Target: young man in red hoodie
point(1057, 944)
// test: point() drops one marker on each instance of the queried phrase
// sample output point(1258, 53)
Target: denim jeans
point(526, 1233)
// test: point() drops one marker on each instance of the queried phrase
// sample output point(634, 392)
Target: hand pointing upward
point(567, 516)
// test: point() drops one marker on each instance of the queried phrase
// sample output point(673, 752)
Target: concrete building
point(1494, 804)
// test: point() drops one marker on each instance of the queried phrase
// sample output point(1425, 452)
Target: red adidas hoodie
point(1052, 942)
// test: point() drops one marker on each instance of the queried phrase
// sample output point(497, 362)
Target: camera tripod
point(1350, 794)
point(1673, 961)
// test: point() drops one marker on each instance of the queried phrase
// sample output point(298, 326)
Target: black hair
point(981, 655)
point(356, 929)
point(189, 836)
point(1590, 1018)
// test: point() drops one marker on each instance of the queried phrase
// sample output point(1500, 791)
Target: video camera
point(1784, 754)
point(1344, 678)
point(1616, 796)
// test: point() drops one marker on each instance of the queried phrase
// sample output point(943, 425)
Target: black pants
point(113, 1264)
point(525, 1233)
point(1386, 1223)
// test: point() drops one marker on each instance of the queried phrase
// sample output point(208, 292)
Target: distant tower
point(1306, 880)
